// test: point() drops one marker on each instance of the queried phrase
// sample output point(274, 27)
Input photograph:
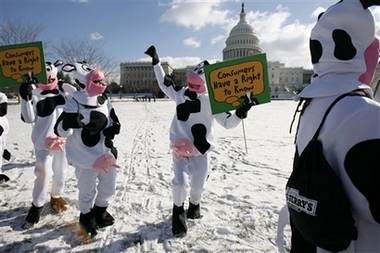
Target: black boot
point(194, 211)
point(4, 178)
point(179, 227)
point(102, 217)
point(33, 216)
point(87, 225)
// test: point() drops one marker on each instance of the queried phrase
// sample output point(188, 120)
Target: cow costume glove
point(242, 111)
point(55, 143)
point(105, 162)
point(25, 90)
point(151, 51)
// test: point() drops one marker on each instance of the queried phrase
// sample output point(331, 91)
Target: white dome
point(242, 40)
point(242, 27)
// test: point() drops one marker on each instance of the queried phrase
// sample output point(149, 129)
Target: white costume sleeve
point(227, 120)
point(69, 90)
point(27, 111)
point(70, 107)
point(160, 76)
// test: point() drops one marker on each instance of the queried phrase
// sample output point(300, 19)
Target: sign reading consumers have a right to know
point(20, 59)
point(230, 81)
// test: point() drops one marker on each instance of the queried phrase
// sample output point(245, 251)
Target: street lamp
point(121, 91)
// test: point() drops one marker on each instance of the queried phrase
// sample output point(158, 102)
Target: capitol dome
point(242, 40)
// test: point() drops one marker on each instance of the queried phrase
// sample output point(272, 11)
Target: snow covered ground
point(244, 195)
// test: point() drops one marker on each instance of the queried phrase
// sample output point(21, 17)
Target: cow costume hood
point(90, 80)
point(51, 74)
point(196, 80)
point(91, 83)
point(344, 55)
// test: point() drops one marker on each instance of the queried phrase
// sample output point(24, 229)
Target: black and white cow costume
point(4, 129)
point(89, 123)
point(344, 52)
point(41, 105)
point(191, 135)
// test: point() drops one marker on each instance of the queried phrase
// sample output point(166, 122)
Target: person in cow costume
point(89, 123)
point(191, 136)
point(41, 105)
point(345, 52)
point(4, 129)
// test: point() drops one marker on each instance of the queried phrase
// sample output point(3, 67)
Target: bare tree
point(72, 50)
point(16, 32)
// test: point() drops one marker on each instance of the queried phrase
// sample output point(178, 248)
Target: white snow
point(244, 194)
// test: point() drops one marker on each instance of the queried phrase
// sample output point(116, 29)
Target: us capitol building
point(284, 82)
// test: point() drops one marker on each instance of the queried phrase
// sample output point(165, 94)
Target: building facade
point(138, 77)
point(242, 41)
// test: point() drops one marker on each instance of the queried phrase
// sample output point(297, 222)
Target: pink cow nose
point(96, 75)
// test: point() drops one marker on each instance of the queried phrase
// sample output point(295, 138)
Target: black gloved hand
point(25, 89)
point(1, 130)
point(242, 111)
point(111, 131)
point(6, 154)
point(151, 51)
point(71, 120)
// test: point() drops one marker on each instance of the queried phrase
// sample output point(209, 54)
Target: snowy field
point(244, 195)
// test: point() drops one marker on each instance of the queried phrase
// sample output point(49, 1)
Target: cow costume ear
point(369, 3)
point(199, 69)
point(58, 63)
point(68, 67)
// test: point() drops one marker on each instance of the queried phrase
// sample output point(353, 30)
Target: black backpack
point(318, 206)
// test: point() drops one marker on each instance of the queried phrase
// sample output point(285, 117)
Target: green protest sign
point(229, 81)
point(17, 60)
